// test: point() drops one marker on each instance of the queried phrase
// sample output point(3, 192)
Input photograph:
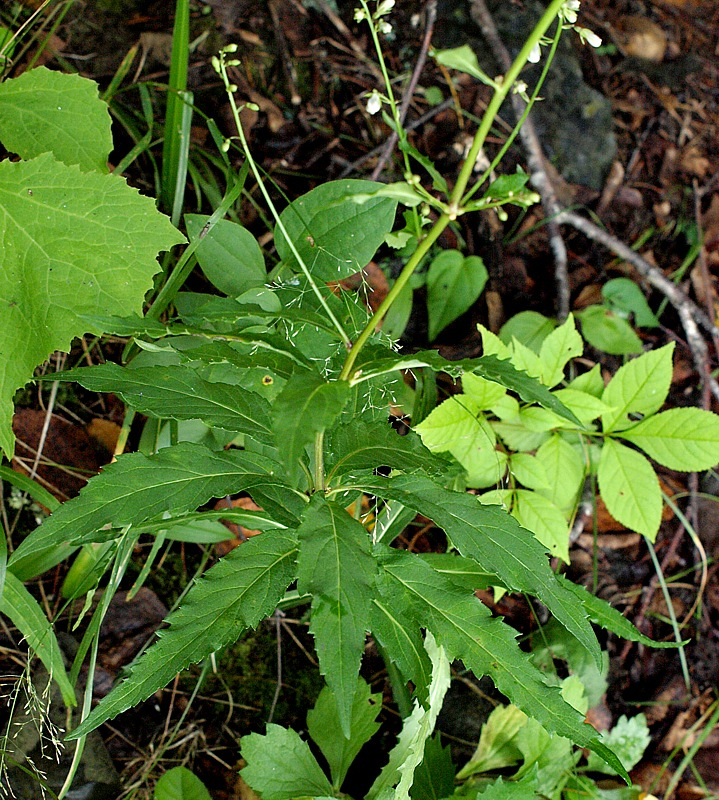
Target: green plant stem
point(319, 471)
point(457, 196)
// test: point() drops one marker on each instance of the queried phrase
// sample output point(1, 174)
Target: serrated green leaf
point(21, 608)
point(565, 472)
point(228, 255)
point(526, 360)
point(367, 445)
point(482, 392)
point(71, 243)
point(541, 516)
point(434, 778)
point(307, 405)
point(461, 571)
point(280, 766)
point(562, 344)
point(137, 488)
point(336, 565)
point(323, 725)
point(530, 327)
point(609, 332)
point(585, 406)
point(528, 470)
point(630, 488)
point(335, 236)
point(601, 613)
point(240, 590)
point(178, 392)
point(179, 783)
point(629, 738)
point(502, 789)
point(486, 645)
point(39, 113)
point(590, 382)
point(685, 439)
point(453, 285)
point(495, 540)
point(639, 387)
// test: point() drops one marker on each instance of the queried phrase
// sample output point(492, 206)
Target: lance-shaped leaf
point(685, 439)
point(71, 243)
point(335, 236)
point(178, 392)
point(137, 488)
point(495, 540)
point(368, 445)
point(235, 594)
point(323, 723)
point(40, 111)
point(486, 645)
point(307, 405)
point(630, 488)
point(280, 766)
point(335, 564)
point(378, 360)
point(22, 609)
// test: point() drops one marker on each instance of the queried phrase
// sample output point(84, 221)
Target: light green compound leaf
point(179, 783)
point(609, 332)
point(465, 628)
point(629, 738)
point(453, 285)
point(565, 472)
point(496, 748)
point(528, 470)
point(495, 540)
point(71, 243)
point(585, 406)
point(590, 382)
point(177, 392)
point(502, 789)
point(463, 59)
point(562, 344)
point(639, 387)
point(307, 405)
point(482, 392)
point(22, 609)
point(336, 566)
point(408, 753)
point(544, 519)
point(529, 327)
point(323, 724)
point(335, 236)
point(137, 488)
point(228, 255)
point(630, 488)
point(685, 439)
point(526, 360)
point(368, 445)
point(280, 766)
point(43, 111)
point(235, 594)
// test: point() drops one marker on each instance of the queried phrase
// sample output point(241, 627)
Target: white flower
point(535, 54)
point(359, 14)
point(384, 8)
point(374, 102)
point(569, 11)
point(588, 36)
point(384, 27)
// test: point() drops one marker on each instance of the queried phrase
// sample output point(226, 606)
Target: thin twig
point(535, 160)
point(431, 12)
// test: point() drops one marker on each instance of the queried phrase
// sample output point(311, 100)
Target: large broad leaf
point(229, 255)
point(544, 519)
point(323, 726)
point(685, 439)
point(177, 392)
point(336, 566)
point(379, 360)
point(486, 645)
point(564, 470)
point(235, 594)
point(334, 236)
point(495, 540)
point(42, 111)
point(630, 488)
point(137, 488)
point(21, 608)
point(179, 783)
point(562, 344)
point(71, 243)
point(306, 406)
point(368, 445)
point(280, 766)
point(453, 284)
point(639, 387)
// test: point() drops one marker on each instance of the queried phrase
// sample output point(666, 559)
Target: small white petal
point(374, 103)
point(535, 54)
